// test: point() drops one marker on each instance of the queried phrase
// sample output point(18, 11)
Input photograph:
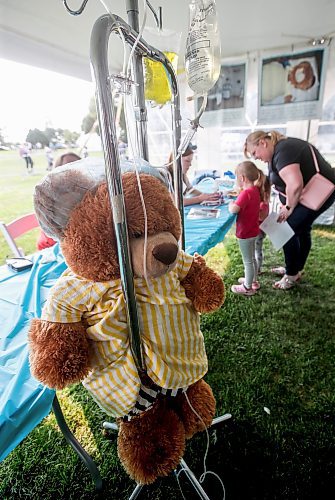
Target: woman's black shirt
point(293, 150)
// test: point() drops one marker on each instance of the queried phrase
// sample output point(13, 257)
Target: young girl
point(247, 207)
point(265, 193)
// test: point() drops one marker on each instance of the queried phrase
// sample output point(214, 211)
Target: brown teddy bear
point(82, 335)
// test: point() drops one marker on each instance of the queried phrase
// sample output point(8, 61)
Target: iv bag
point(203, 46)
point(157, 86)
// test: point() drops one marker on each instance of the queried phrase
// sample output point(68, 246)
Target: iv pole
point(102, 29)
point(140, 108)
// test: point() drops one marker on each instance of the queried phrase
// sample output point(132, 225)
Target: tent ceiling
point(41, 33)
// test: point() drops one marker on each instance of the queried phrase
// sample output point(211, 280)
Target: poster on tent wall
point(226, 99)
point(291, 86)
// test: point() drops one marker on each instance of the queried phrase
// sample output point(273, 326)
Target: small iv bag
point(203, 46)
point(157, 87)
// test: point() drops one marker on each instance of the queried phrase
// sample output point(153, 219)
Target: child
point(265, 192)
point(247, 206)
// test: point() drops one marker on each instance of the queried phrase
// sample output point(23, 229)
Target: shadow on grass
point(256, 459)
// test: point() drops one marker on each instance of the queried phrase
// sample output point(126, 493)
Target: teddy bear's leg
point(152, 444)
point(201, 398)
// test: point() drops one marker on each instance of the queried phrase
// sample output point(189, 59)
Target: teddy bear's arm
point(59, 352)
point(203, 286)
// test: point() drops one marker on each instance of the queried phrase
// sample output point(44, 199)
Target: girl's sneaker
point(242, 290)
point(255, 284)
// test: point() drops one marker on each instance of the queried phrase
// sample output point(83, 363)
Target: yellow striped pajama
point(173, 344)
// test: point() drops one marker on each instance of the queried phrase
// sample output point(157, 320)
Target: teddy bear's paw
point(152, 444)
point(200, 397)
point(210, 293)
point(203, 286)
point(59, 352)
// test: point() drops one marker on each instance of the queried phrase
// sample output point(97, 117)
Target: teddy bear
point(82, 335)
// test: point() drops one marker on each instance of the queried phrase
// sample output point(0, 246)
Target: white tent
point(41, 33)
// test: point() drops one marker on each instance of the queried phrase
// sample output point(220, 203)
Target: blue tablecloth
point(203, 234)
point(23, 401)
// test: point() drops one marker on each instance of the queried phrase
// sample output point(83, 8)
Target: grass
point(16, 195)
point(274, 350)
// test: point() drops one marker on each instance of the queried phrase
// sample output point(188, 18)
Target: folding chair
point(15, 229)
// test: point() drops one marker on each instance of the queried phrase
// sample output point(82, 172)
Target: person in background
point(65, 158)
point(24, 152)
point(251, 181)
point(265, 193)
point(43, 240)
point(122, 147)
point(50, 158)
point(191, 195)
point(291, 166)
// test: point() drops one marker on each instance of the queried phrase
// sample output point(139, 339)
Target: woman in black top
point(291, 166)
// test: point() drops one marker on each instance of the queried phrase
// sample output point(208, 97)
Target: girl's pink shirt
point(263, 211)
point(247, 222)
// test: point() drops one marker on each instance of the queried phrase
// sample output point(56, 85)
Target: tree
point(87, 123)
point(35, 136)
point(70, 137)
point(50, 134)
point(90, 118)
point(2, 139)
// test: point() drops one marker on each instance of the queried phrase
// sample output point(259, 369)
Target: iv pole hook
point(158, 20)
point(75, 12)
point(81, 9)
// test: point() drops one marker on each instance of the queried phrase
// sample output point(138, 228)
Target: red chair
point(16, 228)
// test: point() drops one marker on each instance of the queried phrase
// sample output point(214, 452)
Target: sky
point(36, 98)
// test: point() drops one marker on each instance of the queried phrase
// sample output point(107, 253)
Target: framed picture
point(229, 90)
point(291, 86)
point(226, 99)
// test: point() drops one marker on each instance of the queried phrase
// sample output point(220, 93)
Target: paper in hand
point(278, 232)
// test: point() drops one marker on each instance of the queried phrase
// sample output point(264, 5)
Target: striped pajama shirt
point(173, 344)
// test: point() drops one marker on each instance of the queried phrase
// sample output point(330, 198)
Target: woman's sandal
point(286, 283)
point(279, 271)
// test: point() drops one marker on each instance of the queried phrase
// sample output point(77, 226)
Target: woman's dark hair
point(188, 151)
point(65, 158)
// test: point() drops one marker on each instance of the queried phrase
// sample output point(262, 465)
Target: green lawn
point(16, 191)
point(274, 350)
point(16, 194)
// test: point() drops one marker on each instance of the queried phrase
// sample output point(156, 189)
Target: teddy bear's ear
point(62, 190)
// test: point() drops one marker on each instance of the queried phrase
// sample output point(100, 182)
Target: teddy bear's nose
point(165, 253)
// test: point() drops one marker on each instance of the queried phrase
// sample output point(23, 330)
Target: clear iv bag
point(203, 46)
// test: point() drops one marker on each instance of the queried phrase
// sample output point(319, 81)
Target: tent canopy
point(41, 33)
